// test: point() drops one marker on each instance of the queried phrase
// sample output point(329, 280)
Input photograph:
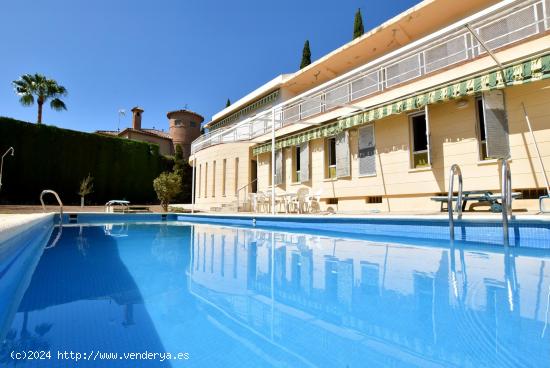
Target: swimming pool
point(232, 295)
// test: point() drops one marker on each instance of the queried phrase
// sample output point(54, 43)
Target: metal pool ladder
point(506, 192)
point(58, 201)
point(54, 243)
point(455, 170)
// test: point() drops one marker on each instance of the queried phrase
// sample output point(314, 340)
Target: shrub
point(167, 186)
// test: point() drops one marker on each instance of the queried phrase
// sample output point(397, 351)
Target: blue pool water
point(251, 297)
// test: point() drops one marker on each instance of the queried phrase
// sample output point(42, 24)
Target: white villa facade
point(376, 124)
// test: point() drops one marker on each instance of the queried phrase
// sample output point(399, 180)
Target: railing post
point(273, 161)
point(193, 186)
point(506, 194)
point(455, 169)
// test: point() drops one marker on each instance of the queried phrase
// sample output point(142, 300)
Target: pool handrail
point(506, 192)
point(455, 169)
point(46, 191)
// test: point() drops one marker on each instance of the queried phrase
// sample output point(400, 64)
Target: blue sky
point(164, 54)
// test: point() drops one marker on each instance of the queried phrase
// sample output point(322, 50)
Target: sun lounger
point(117, 205)
point(480, 197)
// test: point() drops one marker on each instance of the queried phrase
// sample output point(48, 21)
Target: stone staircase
point(230, 207)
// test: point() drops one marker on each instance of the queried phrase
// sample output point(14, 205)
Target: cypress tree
point(179, 162)
point(306, 55)
point(358, 29)
point(228, 103)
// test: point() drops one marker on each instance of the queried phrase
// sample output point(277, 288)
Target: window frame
point(224, 176)
point(214, 179)
point(330, 170)
point(480, 114)
point(412, 151)
point(296, 164)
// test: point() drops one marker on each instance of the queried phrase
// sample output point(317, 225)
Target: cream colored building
point(377, 123)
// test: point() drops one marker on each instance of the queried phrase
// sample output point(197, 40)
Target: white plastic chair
point(262, 202)
point(253, 198)
point(314, 201)
point(299, 203)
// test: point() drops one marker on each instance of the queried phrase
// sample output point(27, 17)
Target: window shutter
point(342, 154)
point(279, 167)
point(367, 160)
point(496, 125)
point(304, 162)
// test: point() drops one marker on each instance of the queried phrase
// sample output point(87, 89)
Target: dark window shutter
point(342, 154)
point(279, 167)
point(304, 162)
point(367, 160)
point(496, 124)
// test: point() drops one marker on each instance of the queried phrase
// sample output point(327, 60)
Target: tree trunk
point(82, 202)
point(39, 111)
point(164, 206)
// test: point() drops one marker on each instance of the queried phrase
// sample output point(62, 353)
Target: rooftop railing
point(502, 24)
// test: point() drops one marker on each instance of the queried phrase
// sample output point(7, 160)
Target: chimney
point(136, 118)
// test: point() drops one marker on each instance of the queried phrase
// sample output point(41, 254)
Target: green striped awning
point(522, 73)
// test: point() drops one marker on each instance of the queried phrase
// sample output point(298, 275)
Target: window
point(331, 158)
point(199, 183)
point(481, 129)
point(373, 199)
point(236, 175)
point(214, 179)
point(206, 180)
point(178, 122)
point(296, 174)
point(224, 169)
point(419, 141)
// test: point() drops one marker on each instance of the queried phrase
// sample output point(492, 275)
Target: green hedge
point(48, 157)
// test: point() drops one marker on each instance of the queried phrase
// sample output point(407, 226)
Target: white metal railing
point(504, 23)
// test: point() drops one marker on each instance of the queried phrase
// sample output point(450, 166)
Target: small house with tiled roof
point(184, 127)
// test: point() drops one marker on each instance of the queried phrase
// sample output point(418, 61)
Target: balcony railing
point(502, 24)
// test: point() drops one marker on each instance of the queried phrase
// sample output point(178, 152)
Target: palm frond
point(26, 99)
point(57, 104)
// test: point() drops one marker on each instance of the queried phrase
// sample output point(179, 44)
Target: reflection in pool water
point(237, 297)
point(343, 302)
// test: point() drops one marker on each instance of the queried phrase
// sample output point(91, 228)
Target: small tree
point(306, 55)
point(167, 186)
point(358, 29)
point(228, 103)
point(86, 187)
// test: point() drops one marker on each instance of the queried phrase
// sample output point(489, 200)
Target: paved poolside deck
point(19, 209)
point(13, 224)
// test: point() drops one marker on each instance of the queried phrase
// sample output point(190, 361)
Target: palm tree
point(28, 86)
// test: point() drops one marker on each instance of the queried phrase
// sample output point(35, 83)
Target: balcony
point(500, 25)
